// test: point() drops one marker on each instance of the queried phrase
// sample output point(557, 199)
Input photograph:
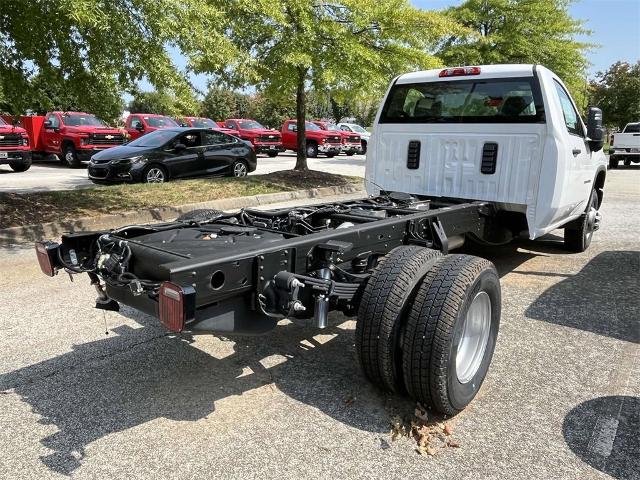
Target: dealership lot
point(51, 175)
point(561, 399)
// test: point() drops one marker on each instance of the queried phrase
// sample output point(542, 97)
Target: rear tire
point(613, 163)
point(272, 154)
point(351, 154)
point(239, 169)
point(385, 301)
point(627, 163)
point(70, 156)
point(364, 147)
point(451, 333)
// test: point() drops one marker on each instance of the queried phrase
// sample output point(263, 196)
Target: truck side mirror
point(595, 130)
point(47, 124)
point(140, 127)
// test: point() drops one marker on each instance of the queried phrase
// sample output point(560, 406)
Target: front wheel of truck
point(312, 150)
point(22, 166)
point(70, 156)
point(578, 234)
point(451, 332)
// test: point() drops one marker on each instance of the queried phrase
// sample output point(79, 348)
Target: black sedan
point(173, 153)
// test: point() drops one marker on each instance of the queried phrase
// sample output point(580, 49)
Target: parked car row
point(76, 137)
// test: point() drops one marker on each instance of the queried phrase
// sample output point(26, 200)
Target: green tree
point(163, 103)
point(270, 111)
point(220, 103)
point(520, 31)
point(617, 93)
point(86, 53)
point(289, 47)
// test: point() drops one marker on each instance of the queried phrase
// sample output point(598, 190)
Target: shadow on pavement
point(139, 375)
point(603, 433)
point(602, 298)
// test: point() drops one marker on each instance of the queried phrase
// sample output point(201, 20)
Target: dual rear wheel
point(427, 325)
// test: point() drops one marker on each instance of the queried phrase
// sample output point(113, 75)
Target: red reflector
point(459, 71)
point(44, 252)
point(176, 305)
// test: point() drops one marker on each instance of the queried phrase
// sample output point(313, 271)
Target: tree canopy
point(617, 93)
point(288, 47)
point(83, 54)
point(520, 31)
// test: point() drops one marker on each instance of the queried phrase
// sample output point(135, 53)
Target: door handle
point(576, 152)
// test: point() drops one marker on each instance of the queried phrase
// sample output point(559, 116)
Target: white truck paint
point(545, 167)
point(626, 145)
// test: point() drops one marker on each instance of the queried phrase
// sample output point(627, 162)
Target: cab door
point(51, 136)
point(217, 151)
point(134, 127)
point(183, 156)
point(578, 159)
point(289, 135)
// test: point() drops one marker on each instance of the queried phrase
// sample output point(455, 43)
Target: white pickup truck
point(626, 146)
point(474, 152)
point(506, 134)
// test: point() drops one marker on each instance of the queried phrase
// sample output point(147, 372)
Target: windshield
point(311, 126)
point(632, 128)
point(357, 128)
point(204, 123)
point(160, 122)
point(81, 120)
point(332, 126)
point(153, 139)
point(514, 100)
point(250, 125)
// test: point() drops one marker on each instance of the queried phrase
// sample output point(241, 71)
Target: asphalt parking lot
point(51, 175)
point(561, 400)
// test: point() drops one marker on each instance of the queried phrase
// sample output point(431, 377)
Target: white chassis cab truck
point(480, 152)
point(510, 135)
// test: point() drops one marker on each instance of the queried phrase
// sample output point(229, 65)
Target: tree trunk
point(301, 114)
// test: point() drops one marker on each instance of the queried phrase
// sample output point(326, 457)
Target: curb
point(32, 233)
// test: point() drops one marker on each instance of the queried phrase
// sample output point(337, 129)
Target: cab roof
point(486, 71)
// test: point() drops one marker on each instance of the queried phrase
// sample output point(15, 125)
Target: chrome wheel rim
point(474, 339)
point(155, 175)
point(240, 170)
point(68, 157)
point(592, 221)
point(310, 151)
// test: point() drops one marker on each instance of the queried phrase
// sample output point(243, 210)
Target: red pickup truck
point(351, 142)
point(317, 140)
point(203, 122)
point(15, 150)
point(137, 124)
point(264, 140)
point(73, 136)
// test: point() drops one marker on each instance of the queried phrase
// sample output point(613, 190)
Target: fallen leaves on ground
point(431, 436)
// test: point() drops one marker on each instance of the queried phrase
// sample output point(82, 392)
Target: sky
point(615, 26)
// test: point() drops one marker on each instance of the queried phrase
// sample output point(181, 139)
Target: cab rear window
point(513, 100)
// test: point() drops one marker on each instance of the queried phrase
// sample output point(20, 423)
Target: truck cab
point(73, 136)
point(137, 124)
point(626, 145)
point(351, 141)
point(506, 134)
point(15, 149)
point(264, 140)
point(317, 140)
